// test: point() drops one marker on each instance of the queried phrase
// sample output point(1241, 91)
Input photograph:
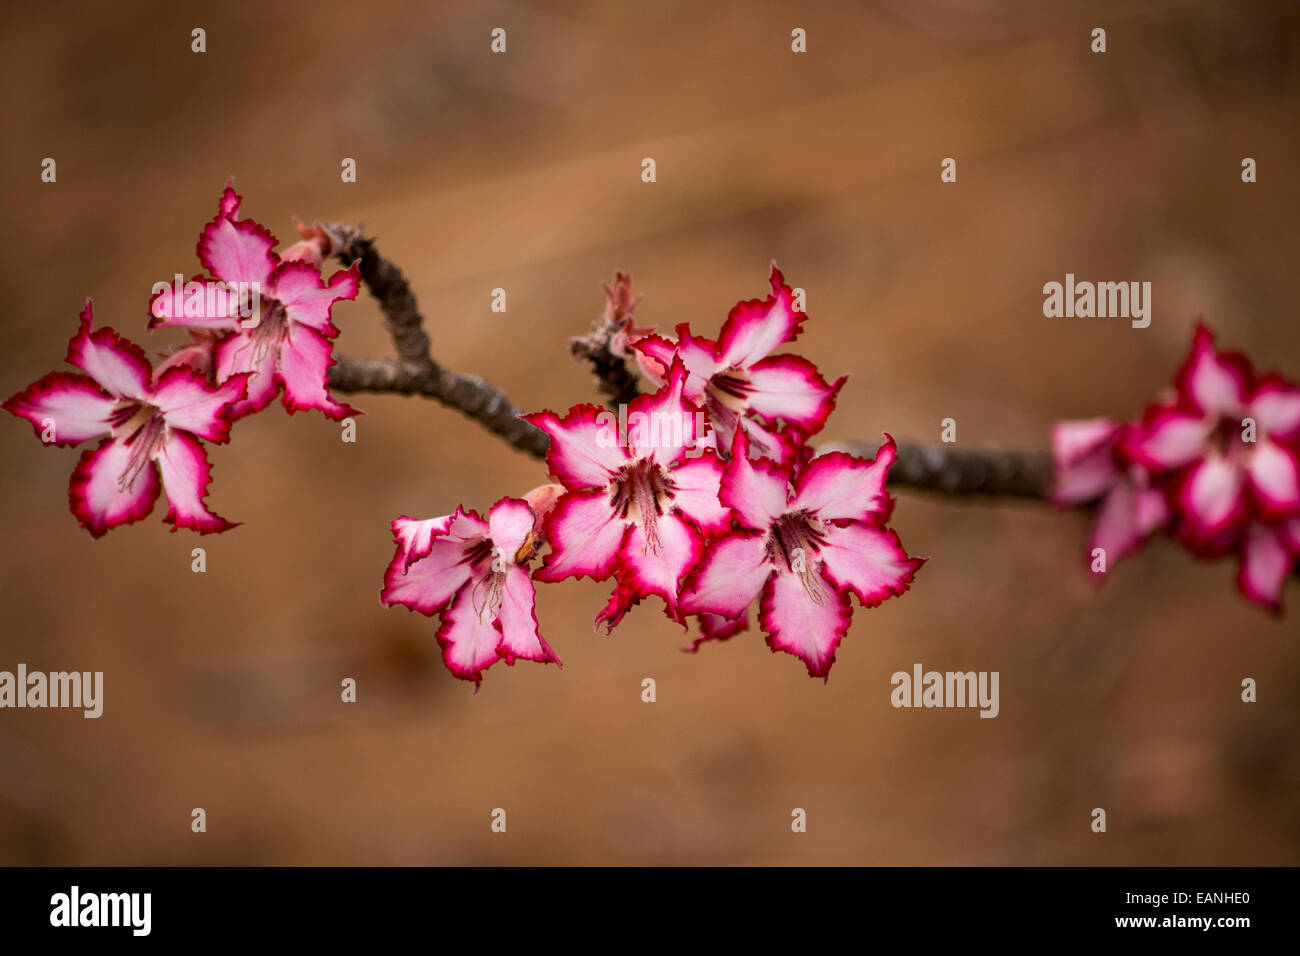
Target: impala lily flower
point(639, 504)
point(1230, 439)
point(473, 573)
point(287, 343)
point(737, 378)
point(152, 424)
point(1089, 466)
point(812, 534)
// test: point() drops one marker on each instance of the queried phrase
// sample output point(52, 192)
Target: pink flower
point(473, 573)
point(812, 533)
point(1089, 466)
point(287, 343)
point(1226, 470)
point(637, 504)
point(153, 423)
point(738, 380)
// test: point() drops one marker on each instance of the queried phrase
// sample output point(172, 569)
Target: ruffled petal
point(837, 486)
point(1275, 406)
point(697, 482)
point(1266, 563)
point(415, 537)
point(239, 354)
point(307, 299)
point(868, 561)
point(756, 328)
point(585, 538)
point(186, 475)
point(797, 624)
point(757, 490)
point(715, 627)
point(189, 402)
point(64, 408)
point(520, 638)
point(101, 498)
point(303, 364)
point(729, 578)
point(1216, 384)
point(790, 388)
point(1274, 477)
point(238, 252)
point(427, 584)
point(658, 567)
point(585, 450)
point(469, 638)
point(201, 304)
point(118, 365)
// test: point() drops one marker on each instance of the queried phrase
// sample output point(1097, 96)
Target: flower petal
point(1168, 438)
point(520, 638)
point(715, 627)
point(469, 638)
point(757, 490)
point(303, 364)
point(118, 365)
point(186, 475)
point(1275, 406)
point(585, 449)
point(729, 578)
point(837, 485)
point(757, 327)
point(1266, 563)
point(509, 523)
point(189, 402)
point(67, 407)
point(239, 354)
point(789, 387)
point(415, 537)
point(1210, 496)
point(697, 482)
point(307, 299)
point(1083, 459)
point(99, 498)
point(238, 252)
point(868, 561)
point(585, 538)
point(798, 625)
point(1215, 383)
point(1274, 477)
point(658, 568)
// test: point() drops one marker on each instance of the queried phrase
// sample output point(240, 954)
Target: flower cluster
point(1216, 463)
point(260, 325)
point(705, 494)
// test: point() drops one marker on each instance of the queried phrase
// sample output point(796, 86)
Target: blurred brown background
point(522, 171)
